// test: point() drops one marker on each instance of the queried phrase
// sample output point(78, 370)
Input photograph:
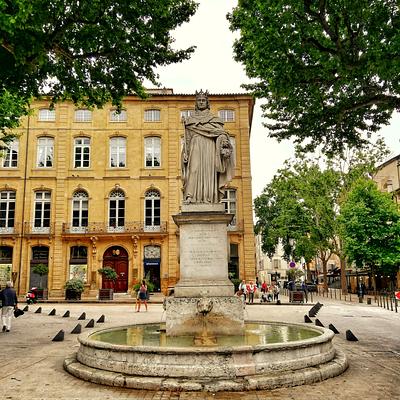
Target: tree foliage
point(328, 70)
point(90, 52)
point(370, 227)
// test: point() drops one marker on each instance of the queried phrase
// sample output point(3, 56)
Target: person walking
point(9, 302)
point(142, 295)
point(252, 288)
point(243, 288)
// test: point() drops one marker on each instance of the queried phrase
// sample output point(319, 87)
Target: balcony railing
point(31, 229)
point(103, 228)
point(10, 231)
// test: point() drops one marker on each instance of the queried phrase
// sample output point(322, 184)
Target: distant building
point(83, 189)
point(387, 177)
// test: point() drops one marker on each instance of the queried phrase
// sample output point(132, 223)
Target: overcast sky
point(212, 67)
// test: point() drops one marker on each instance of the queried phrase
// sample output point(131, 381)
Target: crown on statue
point(202, 94)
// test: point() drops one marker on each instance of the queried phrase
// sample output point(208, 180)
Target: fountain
point(205, 343)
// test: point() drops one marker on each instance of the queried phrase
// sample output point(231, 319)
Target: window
point(118, 116)
point(10, 159)
point(117, 152)
point(78, 262)
point(152, 151)
point(42, 212)
point(45, 152)
point(47, 115)
point(229, 200)
point(79, 211)
point(186, 113)
point(7, 211)
point(81, 152)
point(152, 210)
point(116, 216)
point(83, 115)
point(152, 115)
point(233, 264)
point(227, 115)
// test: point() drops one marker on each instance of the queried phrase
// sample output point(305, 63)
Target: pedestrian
point(9, 302)
point(276, 292)
point(142, 295)
point(264, 287)
point(243, 288)
point(304, 288)
point(251, 288)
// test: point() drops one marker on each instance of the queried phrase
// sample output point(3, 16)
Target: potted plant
point(40, 269)
point(109, 274)
point(73, 289)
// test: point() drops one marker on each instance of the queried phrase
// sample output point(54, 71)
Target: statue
point(207, 155)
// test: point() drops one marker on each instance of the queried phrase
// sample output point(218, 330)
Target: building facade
point(84, 189)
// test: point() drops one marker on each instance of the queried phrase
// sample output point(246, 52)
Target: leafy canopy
point(328, 70)
point(90, 52)
point(370, 227)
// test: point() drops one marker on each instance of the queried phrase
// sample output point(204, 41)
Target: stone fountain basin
point(212, 368)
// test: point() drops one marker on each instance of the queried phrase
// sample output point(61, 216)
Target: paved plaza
point(32, 365)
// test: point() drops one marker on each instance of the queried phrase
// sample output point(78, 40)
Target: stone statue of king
point(207, 155)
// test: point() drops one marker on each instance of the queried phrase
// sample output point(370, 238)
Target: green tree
point(40, 269)
point(90, 52)
point(328, 70)
point(298, 208)
point(370, 228)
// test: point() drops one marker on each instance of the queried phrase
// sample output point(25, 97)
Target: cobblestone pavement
point(31, 364)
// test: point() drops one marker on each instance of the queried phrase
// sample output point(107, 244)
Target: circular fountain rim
point(326, 335)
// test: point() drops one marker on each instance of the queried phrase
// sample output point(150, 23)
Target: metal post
point(391, 303)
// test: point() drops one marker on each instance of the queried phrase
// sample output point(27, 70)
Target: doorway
point(116, 257)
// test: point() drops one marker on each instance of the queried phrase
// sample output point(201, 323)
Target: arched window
point(152, 210)
point(227, 115)
point(7, 211)
point(46, 114)
point(79, 211)
point(45, 152)
point(121, 116)
point(116, 215)
point(81, 152)
point(153, 115)
point(10, 155)
point(42, 212)
point(152, 151)
point(83, 115)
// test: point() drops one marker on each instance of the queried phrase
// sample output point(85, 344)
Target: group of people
point(268, 292)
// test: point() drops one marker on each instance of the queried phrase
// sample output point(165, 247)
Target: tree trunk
point(325, 272)
point(343, 275)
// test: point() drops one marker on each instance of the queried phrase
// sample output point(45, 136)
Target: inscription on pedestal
point(203, 251)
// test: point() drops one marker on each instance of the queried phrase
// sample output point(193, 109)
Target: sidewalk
point(32, 363)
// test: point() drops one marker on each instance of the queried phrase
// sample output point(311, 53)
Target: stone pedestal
point(203, 253)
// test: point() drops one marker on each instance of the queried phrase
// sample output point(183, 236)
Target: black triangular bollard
point(26, 308)
point(83, 316)
point(90, 324)
point(77, 329)
point(59, 337)
point(350, 336)
point(318, 323)
point(66, 315)
point(307, 319)
point(313, 312)
point(39, 310)
point(101, 319)
point(333, 329)
point(52, 312)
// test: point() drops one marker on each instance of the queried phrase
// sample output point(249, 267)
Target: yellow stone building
point(81, 189)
